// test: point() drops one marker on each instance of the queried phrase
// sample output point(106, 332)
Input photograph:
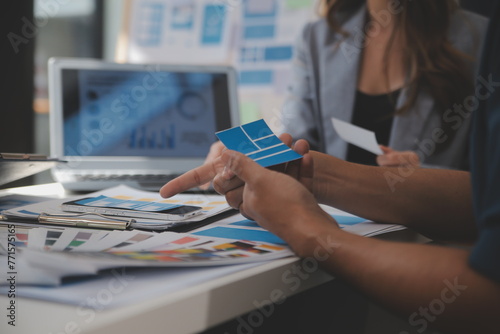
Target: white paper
point(357, 136)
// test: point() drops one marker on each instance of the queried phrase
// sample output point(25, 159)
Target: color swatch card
point(357, 136)
point(56, 253)
point(257, 141)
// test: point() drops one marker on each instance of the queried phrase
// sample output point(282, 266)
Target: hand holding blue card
point(257, 141)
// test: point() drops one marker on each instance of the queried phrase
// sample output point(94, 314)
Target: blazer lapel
point(339, 77)
point(407, 129)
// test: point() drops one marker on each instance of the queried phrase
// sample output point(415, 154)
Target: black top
point(374, 113)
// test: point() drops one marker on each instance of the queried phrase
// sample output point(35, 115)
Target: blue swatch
point(247, 223)
point(257, 141)
point(348, 220)
point(241, 234)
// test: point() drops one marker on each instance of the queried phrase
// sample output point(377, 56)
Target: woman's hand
point(393, 158)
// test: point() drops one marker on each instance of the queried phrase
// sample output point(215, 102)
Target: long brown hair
point(433, 63)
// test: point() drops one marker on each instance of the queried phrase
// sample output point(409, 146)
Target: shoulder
point(476, 20)
point(321, 32)
point(315, 29)
point(467, 30)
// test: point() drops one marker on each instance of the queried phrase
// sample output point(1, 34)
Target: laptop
point(135, 124)
point(16, 166)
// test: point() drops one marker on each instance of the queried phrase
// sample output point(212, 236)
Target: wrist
point(312, 232)
point(329, 177)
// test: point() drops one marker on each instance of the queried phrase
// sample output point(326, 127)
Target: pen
point(79, 220)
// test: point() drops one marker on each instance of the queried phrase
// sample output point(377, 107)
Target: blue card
point(258, 142)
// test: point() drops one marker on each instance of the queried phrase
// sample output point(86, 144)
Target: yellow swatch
point(170, 201)
point(271, 247)
point(122, 197)
point(194, 202)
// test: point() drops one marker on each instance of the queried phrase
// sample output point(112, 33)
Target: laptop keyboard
point(93, 176)
point(93, 180)
point(122, 177)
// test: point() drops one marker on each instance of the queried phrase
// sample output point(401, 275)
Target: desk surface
point(188, 310)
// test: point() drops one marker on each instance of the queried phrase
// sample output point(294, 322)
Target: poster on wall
point(179, 31)
point(257, 37)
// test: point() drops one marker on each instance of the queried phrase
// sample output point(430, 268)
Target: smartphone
point(130, 208)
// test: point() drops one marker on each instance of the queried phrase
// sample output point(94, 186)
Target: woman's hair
point(433, 64)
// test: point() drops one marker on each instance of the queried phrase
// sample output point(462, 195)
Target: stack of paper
point(212, 205)
point(47, 255)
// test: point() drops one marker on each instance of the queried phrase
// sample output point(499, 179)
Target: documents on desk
point(212, 205)
point(55, 247)
point(45, 255)
point(83, 252)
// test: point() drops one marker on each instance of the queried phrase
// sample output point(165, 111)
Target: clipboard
point(15, 166)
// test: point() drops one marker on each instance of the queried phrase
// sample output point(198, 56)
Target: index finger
point(193, 178)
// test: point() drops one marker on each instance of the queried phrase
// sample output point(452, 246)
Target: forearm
point(436, 202)
point(427, 285)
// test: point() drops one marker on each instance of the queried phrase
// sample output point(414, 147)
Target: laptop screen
point(144, 113)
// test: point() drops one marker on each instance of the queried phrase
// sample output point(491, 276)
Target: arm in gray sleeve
point(297, 114)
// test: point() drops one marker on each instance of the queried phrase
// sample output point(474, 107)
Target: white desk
point(185, 311)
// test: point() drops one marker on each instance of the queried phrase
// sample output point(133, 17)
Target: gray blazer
point(324, 82)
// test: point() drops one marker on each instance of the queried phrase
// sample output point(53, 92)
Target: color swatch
point(258, 142)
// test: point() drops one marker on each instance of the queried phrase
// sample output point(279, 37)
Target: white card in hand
point(357, 136)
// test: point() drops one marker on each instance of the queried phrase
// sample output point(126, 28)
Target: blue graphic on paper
point(242, 234)
point(348, 220)
point(258, 77)
point(266, 54)
point(110, 202)
point(257, 141)
point(278, 53)
point(260, 31)
point(150, 30)
point(259, 19)
point(182, 17)
point(261, 9)
point(246, 223)
point(213, 24)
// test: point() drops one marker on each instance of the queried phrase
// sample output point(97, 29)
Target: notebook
point(135, 124)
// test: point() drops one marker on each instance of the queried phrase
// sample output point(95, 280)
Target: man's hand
point(213, 169)
point(231, 186)
point(278, 202)
point(216, 150)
